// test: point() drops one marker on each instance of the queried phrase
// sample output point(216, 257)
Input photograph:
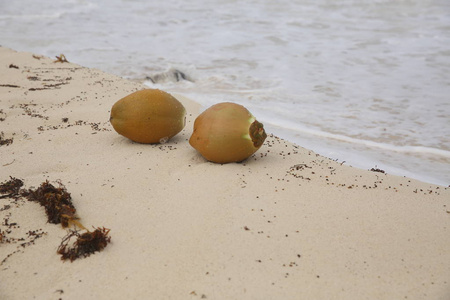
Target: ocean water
point(361, 81)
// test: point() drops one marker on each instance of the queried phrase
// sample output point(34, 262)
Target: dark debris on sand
point(10, 188)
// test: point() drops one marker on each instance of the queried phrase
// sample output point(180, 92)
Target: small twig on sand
point(9, 163)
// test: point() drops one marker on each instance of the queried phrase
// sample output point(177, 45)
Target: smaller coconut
point(227, 132)
point(148, 116)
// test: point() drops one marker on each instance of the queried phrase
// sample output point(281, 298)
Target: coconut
point(227, 132)
point(148, 116)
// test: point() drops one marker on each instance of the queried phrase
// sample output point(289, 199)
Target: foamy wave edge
point(372, 144)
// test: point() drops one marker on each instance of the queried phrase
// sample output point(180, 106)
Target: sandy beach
point(284, 224)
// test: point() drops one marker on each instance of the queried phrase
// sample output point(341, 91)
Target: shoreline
point(422, 163)
point(366, 157)
point(285, 224)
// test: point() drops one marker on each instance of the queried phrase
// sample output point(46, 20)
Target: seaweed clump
point(59, 208)
point(57, 203)
point(86, 243)
point(10, 188)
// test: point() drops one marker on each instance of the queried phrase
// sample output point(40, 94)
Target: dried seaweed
point(57, 203)
point(377, 170)
point(61, 59)
point(59, 208)
point(10, 85)
point(10, 188)
point(48, 86)
point(86, 243)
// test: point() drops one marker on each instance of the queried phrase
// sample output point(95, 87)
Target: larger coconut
point(227, 132)
point(148, 116)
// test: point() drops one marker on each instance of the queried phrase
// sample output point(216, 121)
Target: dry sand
point(285, 224)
